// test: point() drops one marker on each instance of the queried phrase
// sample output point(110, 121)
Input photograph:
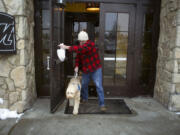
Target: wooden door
point(57, 74)
point(117, 23)
point(128, 47)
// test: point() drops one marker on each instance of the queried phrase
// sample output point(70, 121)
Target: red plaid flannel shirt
point(87, 56)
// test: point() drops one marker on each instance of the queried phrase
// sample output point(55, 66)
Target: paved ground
point(151, 119)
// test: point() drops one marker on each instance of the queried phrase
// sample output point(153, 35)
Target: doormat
point(114, 106)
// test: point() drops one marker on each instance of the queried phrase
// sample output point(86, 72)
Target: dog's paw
point(75, 112)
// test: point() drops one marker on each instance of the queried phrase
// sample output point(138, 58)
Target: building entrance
point(125, 32)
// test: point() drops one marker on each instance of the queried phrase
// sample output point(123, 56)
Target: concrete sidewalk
point(151, 119)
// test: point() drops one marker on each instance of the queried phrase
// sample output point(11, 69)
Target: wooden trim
point(117, 1)
point(106, 1)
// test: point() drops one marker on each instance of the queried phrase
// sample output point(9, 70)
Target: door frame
point(137, 3)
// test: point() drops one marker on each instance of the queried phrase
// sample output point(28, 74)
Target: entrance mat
point(114, 106)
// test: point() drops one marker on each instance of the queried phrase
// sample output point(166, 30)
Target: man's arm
point(77, 60)
point(80, 48)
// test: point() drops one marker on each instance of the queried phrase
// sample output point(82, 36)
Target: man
point(88, 56)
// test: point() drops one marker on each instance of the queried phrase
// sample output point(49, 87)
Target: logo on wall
point(7, 33)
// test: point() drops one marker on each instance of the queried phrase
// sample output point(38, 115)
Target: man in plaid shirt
point(88, 56)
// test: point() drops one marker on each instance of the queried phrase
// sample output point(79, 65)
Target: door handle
point(48, 62)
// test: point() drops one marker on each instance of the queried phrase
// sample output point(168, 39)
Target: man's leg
point(84, 89)
point(97, 78)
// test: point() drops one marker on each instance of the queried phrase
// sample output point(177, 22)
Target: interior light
point(91, 6)
point(60, 3)
point(92, 9)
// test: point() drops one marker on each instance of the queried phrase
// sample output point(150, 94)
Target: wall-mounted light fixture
point(60, 3)
point(92, 7)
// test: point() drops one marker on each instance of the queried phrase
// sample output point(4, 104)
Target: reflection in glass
point(122, 40)
point(45, 19)
point(45, 34)
point(45, 4)
point(115, 48)
point(109, 42)
point(123, 22)
point(110, 21)
point(76, 27)
point(83, 26)
point(46, 44)
point(109, 70)
point(56, 34)
point(121, 53)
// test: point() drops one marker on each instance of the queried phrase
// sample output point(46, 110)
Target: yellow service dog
point(73, 93)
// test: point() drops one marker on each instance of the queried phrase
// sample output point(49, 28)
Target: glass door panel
point(115, 48)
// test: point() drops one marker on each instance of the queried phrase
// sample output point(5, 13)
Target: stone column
point(167, 86)
point(17, 75)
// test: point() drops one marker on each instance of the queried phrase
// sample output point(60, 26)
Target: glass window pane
point(110, 42)
point(109, 66)
point(115, 48)
point(121, 54)
point(56, 34)
point(46, 44)
point(45, 4)
point(45, 19)
point(83, 26)
point(110, 21)
point(45, 34)
point(123, 22)
point(76, 27)
point(120, 75)
point(122, 40)
point(121, 60)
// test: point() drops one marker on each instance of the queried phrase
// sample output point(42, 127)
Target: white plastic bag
point(61, 53)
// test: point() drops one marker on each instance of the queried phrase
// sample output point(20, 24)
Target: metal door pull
point(48, 62)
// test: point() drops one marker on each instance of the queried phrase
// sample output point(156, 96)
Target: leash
point(75, 74)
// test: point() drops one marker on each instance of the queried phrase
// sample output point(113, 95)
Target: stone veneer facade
point(17, 75)
point(167, 86)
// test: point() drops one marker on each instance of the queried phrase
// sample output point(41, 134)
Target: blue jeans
point(96, 76)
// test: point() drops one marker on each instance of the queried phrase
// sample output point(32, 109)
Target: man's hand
point(76, 69)
point(63, 46)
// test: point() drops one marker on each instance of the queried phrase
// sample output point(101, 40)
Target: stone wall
point(17, 75)
point(167, 86)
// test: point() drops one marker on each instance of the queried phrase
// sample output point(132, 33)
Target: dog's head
point(73, 87)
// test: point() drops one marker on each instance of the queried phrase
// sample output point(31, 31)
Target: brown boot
point(83, 101)
point(103, 108)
